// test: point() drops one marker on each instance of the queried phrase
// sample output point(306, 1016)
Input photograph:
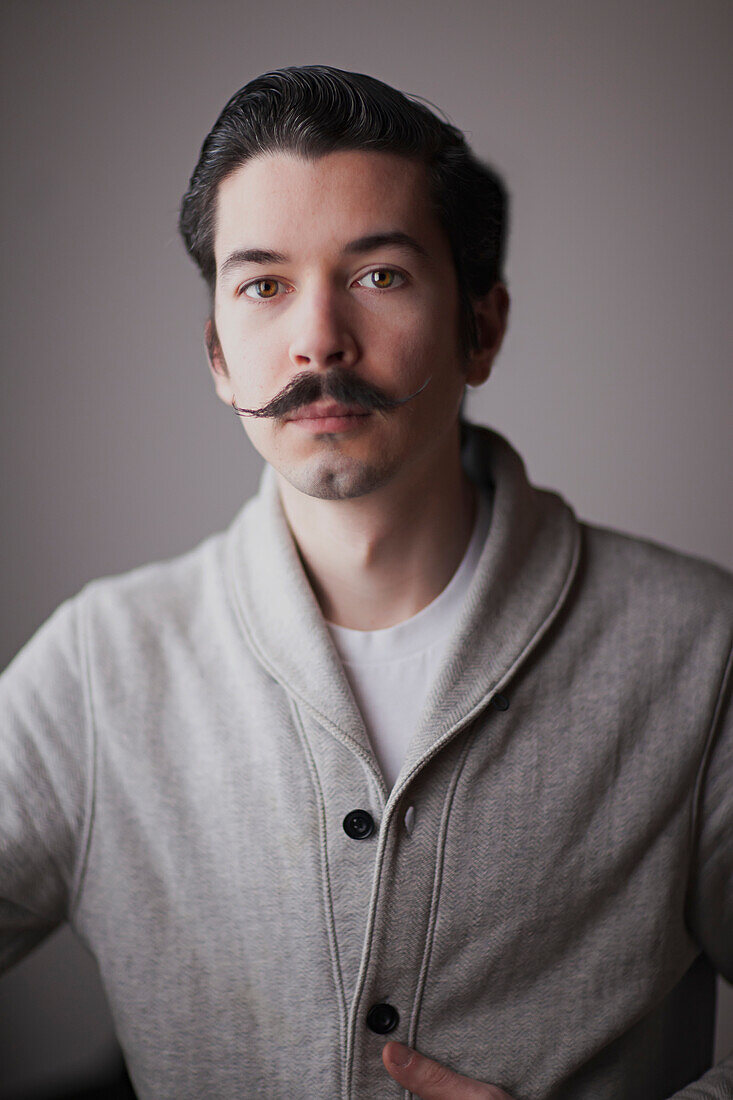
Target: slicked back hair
point(314, 110)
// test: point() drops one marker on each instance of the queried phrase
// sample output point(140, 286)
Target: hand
point(429, 1080)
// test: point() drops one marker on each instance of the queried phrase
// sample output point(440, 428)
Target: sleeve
point(45, 769)
point(710, 898)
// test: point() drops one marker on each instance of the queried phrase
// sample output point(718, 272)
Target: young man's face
point(302, 289)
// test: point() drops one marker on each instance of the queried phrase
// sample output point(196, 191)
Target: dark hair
point(314, 110)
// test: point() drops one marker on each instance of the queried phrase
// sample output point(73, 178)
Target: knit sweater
point(182, 760)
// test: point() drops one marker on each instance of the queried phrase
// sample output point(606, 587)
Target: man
point(408, 757)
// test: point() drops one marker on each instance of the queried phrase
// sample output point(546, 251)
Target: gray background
point(611, 123)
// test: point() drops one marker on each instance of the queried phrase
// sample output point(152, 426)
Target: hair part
point(314, 110)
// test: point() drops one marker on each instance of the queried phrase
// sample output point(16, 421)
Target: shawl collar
point(282, 620)
point(522, 579)
point(523, 576)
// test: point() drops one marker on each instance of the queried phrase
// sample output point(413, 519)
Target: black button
point(382, 1018)
point(501, 702)
point(358, 824)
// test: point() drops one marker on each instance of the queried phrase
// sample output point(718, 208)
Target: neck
point(376, 560)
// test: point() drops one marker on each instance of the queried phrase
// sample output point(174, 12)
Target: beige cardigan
point(180, 750)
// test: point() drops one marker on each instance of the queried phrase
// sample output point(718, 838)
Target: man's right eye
point(261, 288)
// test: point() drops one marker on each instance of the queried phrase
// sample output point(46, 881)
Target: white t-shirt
point(391, 670)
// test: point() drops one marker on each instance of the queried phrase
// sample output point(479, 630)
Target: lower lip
point(320, 424)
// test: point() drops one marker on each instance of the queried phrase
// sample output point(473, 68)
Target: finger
point(429, 1080)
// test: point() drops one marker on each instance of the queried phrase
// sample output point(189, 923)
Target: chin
point(337, 480)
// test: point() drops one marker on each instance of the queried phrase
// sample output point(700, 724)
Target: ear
point(217, 363)
point(492, 314)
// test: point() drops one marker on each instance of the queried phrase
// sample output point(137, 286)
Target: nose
point(323, 336)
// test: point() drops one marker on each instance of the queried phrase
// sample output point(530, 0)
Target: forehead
point(293, 204)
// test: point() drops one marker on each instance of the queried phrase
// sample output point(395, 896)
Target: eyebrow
point(368, 243)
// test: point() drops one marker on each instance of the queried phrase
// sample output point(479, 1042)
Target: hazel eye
point(382, 278)
point(262, 288)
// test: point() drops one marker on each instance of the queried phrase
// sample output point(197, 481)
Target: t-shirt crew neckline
point(431, 624)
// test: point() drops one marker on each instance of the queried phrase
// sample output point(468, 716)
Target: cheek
point(254, 360)
point(257, 432)
point(428, 326)
point(406, 344)
point(428, 351)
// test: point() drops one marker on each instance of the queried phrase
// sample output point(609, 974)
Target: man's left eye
point(383, 278)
